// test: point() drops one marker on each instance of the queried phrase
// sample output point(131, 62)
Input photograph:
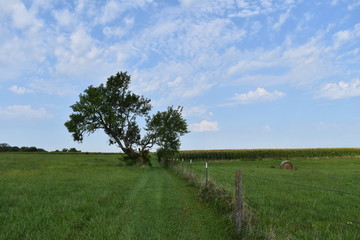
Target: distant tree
point(15, 149)
point(4, 147)
point(32, 149)
point(41, 150)
point(65, 150)
point(24, 149)
point(73, 150)
point(115, 109)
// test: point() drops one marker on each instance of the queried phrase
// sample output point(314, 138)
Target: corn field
point(256, 154)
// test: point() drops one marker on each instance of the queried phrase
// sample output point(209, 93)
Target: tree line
point(4, 147)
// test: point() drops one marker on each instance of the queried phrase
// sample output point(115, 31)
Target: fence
point(242, 205)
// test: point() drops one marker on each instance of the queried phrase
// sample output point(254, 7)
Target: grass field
point(91, 196)
point(282, 209)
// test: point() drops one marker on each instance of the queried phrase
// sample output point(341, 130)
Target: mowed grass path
point(89, 196)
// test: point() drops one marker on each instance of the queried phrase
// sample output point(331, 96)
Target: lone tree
point(115, 109)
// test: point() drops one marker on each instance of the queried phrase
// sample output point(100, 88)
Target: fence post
point(206, 174)
point(190, 168)
point(239, 199)
point(182, 166)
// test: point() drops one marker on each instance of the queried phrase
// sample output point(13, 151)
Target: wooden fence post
point(239, 199)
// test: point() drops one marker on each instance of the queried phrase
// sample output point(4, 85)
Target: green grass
point(284, 211)
point(91, 196)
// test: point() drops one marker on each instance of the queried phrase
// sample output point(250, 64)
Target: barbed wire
point(289, 203)
point(304, 186)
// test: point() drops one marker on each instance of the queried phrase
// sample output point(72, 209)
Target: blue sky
point(249, 73)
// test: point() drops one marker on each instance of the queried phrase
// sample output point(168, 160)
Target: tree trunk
point(143, 160)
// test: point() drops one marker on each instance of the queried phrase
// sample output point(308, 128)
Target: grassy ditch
point(318, 200)
point(91, 196)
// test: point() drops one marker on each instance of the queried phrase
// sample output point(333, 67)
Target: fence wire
point(288, 203)
point(304, 186)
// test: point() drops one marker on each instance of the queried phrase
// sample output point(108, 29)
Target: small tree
point(115, 109)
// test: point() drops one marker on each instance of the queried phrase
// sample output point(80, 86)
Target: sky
point(249, 73)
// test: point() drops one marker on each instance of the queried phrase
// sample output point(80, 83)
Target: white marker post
point(190, 168)
point(206, 174)
point(182, 168)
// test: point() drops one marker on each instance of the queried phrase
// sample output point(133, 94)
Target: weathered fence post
point(239, 199)
point(206, 174)
point(182, 167)
point(190, 168)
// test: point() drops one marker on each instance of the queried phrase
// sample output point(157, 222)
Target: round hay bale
point(286, 165)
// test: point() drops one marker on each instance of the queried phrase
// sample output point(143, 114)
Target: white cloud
point(267, 128)
point(187, 3)
point(110, 11)
point(190, 60)
point(22, 41)
point(81, 42)
point(129, 21)
point(266, 3)
point(190, 49)
point(256, 60)
point(325, 126)
point(282, 19)
point(259, 95)
point(197, 111)
point(354, 5)
point(340, 90)
point(204, 126)
point(302, 65)
point(119, 31)
point(51, 87)
point(173, 80)
point(341, 37)
point(64, 17)
point(205, 6)
point(81, 55)
point(114, 31)
point(21, 16)
point(176, 82)
point(19, 90)
point(23, 111)
point(113, 9)
point(334, 2)
point(242, 4)
point(245, 13)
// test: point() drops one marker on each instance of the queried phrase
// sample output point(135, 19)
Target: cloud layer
point(203, 55)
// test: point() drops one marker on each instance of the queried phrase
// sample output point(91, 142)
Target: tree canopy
point(115, 109)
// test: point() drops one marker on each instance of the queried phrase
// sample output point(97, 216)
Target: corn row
point(254, 154)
